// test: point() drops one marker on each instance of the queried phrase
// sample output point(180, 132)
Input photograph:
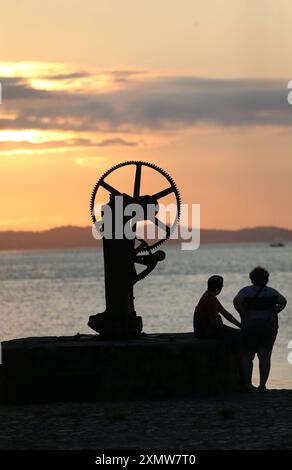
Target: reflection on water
point(53, 292)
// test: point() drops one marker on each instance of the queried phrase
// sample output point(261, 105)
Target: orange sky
point(198, 87)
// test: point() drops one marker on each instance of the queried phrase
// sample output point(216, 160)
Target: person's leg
point(264, 355)
point(264, 352)
point(247, 357)
point(248, 351)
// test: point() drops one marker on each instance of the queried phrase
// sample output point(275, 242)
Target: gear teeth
point(149, 165)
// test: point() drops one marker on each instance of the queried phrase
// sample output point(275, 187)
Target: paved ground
point(241, 421)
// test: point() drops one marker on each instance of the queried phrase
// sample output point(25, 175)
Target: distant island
point(79, 237)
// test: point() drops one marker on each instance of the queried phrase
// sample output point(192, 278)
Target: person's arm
point(230, 317)
point(215, 320)
point(238, 304)
point(281, 304)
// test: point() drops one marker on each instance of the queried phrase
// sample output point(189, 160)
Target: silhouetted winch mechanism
point(130, 258)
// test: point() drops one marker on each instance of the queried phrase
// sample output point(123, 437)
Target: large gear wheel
point(171, 189)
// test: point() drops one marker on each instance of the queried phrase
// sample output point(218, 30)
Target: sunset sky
point(198, 87)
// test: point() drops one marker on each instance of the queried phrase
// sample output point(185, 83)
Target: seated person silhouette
point(258, 306)
point(208, 322)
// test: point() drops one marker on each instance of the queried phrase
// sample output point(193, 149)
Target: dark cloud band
point(151, 104)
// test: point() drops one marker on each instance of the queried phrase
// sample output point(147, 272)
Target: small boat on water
point(277, 245)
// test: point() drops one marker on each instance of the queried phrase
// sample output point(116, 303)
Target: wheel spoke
point(110, 188)
point(137, 181)
point(139, 247)
point(162, 225)
point(163, 193)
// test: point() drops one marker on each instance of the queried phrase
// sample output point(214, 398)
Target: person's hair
point(215, 282)
point(259, 276)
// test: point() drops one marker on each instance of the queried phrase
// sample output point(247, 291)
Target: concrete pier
point(88, 367)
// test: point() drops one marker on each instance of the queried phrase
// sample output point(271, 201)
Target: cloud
point(125, 75)
point(146, 103)
point(114, 142)
point(65, 143)
point(67, 76)
point(18, 89)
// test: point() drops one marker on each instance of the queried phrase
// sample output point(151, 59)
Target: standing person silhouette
point(258, 306)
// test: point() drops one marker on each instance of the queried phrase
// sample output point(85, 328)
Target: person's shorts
point(257, 337)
